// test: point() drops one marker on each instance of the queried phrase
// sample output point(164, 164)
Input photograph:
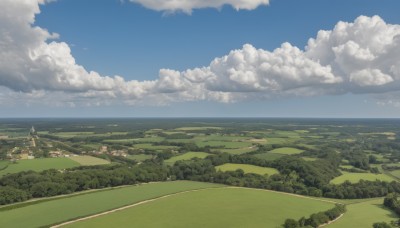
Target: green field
point(276, 140)
point(269, 156)
point(152, 147)
point(364, 214)
point(67, 208)
point(356, 177)
point(247, 168)
point(186, 156)
point(39, 164)
point(140, 157)
point(287, 151)
point(89, 160)
point(220, 207)
point(239, 150)
point(224, 144)
point(197, 128)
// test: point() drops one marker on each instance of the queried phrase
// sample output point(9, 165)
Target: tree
point(381, 225)
point(291, 223)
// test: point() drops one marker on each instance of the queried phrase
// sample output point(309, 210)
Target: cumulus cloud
point(188, 5)
point(358, 57)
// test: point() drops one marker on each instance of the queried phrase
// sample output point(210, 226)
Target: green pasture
point(224, 144)
point(364, 214)
point(286, 151)
point(238, 150)
point(276, 141)
point(153, 147)
point(186, 156)
point(247, 168)
point(70, 207)
point(39, 164)
point(269, 156)
point(395, 173)
point(89, 160)
point(219, 207)
point(356, 177)
point(140, 157)
point(309, 159)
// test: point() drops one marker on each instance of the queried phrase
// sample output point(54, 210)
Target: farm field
point(224, 144)
point(152, 147)
point(186, 156)
point(287, 151)
point(238, 150)
point(364, 214)
point(89, 160)
point(63, 209)
point(140, 157)
point(269, 156)
point(356, 177)
point(228, 207)
point(39, 164)
point(247, 168)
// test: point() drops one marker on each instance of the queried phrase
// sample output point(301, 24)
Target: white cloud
point(358, 57)
point(188, 5)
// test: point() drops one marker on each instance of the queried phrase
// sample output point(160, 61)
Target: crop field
point(247, 168)
point(67, 208)
point(287, 151)
point(364, 214)
point(39, 164)
point(89, 160)
point(186, 156)
point(219, 207)
point(356, 177)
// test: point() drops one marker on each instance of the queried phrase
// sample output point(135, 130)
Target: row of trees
point(25, 185)
point(296, 176)
point(317, 219)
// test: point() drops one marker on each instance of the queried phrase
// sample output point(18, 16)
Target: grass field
point(269, 156)
point(364, 214)
point(247, 168)
point(63, 209)
point(186, 156)
point(276, 140)
point(224, 144)
point(356, 177)
point(197, 128)
point(239, 150)
point(220, 207)
point(286, 150)
point(152, 147)
point(39, 164)
point(140, 157)
point(89, 160)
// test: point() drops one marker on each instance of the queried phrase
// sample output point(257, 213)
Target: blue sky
point(113, 37)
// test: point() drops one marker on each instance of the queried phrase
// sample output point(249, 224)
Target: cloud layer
point(358, 57)
point(188, 5)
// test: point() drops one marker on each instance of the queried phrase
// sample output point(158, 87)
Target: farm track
point(126, 207)
point(178, 193)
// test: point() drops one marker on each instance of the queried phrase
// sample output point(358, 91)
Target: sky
point(196, 58)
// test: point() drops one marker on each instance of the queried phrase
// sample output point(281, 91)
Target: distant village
point(27, 151)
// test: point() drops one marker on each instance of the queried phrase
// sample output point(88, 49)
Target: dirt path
point(126, 207)
point(332, 221)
